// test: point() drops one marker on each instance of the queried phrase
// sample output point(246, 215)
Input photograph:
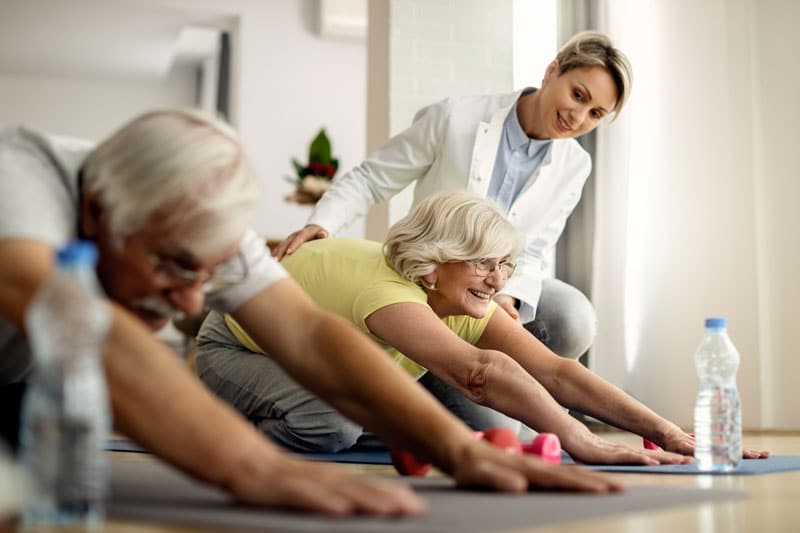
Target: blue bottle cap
point(716, 323)
point(77, 252)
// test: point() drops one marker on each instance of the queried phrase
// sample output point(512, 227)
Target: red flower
point(321, 169)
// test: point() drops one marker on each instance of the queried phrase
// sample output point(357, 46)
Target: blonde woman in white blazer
point(475, 143)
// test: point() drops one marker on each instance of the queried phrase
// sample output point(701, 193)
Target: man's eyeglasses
point(484, 267)
point(233, 271)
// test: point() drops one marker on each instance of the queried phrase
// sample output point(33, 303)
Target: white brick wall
point(441, 48)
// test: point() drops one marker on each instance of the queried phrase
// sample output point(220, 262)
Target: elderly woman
point(426, 296)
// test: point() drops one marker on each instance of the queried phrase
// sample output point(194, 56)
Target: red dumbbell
point(408, 465)
point(546, 445)
point(503, 438)
point(650, 445)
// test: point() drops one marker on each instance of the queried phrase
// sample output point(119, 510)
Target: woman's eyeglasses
point(484, 267)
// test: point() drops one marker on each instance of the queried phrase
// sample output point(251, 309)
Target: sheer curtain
point(573, 258)
point(676, 214)
point(593, 251)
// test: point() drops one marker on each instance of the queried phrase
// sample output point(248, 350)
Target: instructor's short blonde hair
point(449, 226)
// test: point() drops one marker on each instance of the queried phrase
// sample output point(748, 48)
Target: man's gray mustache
point(158, 306)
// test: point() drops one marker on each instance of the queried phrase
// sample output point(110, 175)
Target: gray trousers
point(259, 389)
point(295, 418)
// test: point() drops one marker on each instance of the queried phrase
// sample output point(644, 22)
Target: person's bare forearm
point(499, 382)
point(571, 384)
point(576, 387)
point(158, 403)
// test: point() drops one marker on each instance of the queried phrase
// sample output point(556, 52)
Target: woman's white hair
point(185, 167)
point(449, 226)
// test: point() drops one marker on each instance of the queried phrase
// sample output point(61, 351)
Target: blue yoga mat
point(776, 463)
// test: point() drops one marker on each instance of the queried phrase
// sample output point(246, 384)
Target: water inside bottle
point(718, 429)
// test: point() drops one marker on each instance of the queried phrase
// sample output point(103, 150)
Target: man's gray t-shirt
point(39, 200)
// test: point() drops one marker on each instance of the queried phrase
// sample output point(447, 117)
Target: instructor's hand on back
point(294, 241)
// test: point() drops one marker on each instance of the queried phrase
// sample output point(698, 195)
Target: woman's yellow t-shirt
point(351, 278)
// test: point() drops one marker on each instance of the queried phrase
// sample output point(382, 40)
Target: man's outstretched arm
point(158, 403)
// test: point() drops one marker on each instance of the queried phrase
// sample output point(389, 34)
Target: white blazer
point(453, 144)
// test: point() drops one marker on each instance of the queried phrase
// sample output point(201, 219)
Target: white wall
point(89, 109)
point(288, 82)
point(535, 34)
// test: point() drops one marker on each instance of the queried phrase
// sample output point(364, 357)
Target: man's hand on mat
point(483, 466)
point(289, 483)
point(295, 240)
point(591, 449)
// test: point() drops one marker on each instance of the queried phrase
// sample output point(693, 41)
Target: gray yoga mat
point(148, 491)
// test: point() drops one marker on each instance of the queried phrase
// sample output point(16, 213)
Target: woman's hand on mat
point(289, 483)
point(749, 453)
point(481, 465)
point(591, 449)
point(295, 240)
point(678, 441)
point(683, 443)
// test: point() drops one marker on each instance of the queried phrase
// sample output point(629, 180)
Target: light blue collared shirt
point(518, 158)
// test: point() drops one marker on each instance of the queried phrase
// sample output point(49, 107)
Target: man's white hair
point(182, 166)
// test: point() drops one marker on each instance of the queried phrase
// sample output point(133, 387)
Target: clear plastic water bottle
point(717, 413)
point(65, 411)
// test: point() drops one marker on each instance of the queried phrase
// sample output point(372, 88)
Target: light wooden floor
point(773, 504)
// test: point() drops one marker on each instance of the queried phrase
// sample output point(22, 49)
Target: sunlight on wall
point(643, 52)
point(535, 41)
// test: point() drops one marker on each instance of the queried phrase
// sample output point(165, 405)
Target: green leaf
point(320, 149)
point(300, 169)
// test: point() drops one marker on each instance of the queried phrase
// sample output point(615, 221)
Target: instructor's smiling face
point(575, 102)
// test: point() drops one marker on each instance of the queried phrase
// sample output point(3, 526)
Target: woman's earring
point(428, 281)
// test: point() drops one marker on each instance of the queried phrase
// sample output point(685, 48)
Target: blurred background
point(690, 208)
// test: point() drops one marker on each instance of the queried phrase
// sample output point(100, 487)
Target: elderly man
point(167, 200)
